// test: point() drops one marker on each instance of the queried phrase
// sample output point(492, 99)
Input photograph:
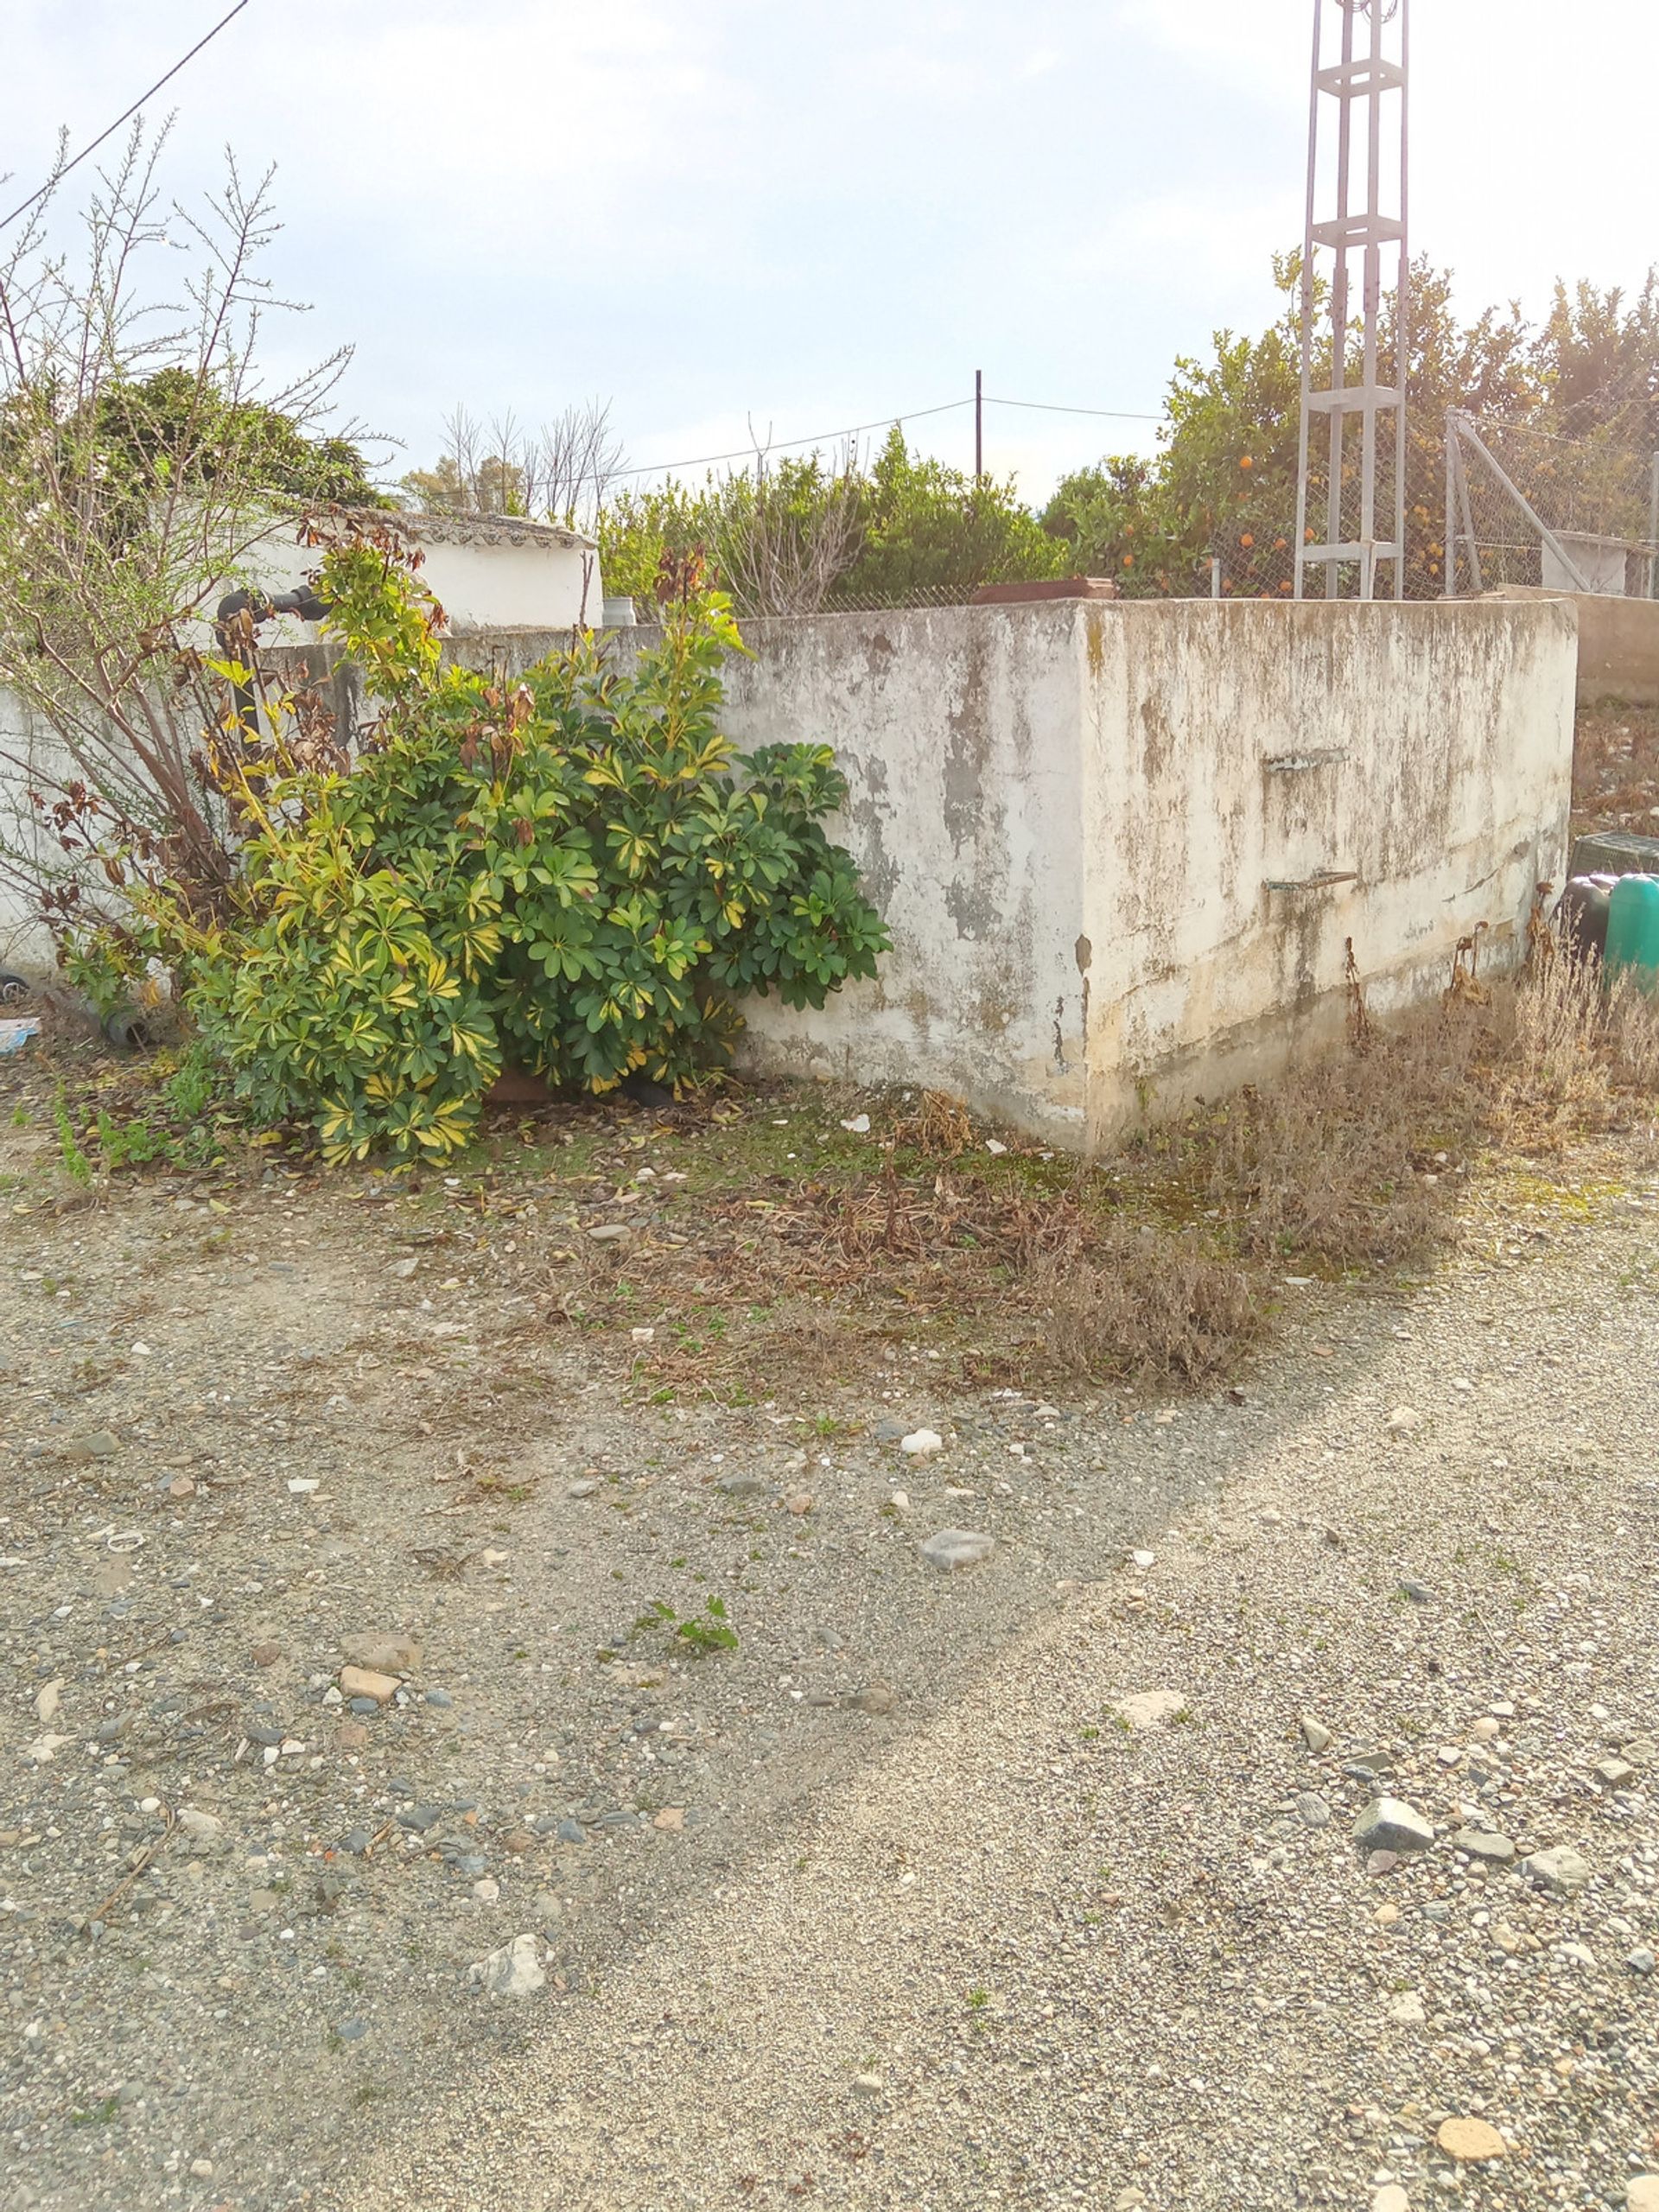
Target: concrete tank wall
point(1073, 815)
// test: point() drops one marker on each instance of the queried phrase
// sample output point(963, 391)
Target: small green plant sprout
point(711, 1633)
point(74, 1161)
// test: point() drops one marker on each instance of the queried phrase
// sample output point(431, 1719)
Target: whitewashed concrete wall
point(1071, 814)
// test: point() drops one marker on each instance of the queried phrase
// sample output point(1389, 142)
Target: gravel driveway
point(1097, 1930)
point(1024, 1884)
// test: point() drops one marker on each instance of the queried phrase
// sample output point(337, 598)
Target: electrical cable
point(823, 437)
point(1048, 407)
point(886, 422)
point(58, 176)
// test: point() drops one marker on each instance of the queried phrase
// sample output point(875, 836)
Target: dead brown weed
point(1143, 1305)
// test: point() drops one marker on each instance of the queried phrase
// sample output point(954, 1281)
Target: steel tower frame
point(1359, 83)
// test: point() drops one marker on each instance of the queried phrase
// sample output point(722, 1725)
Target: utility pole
point(979, 426)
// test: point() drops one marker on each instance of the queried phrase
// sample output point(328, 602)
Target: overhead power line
point(1049, 407)
point(788, 445)
point(884, 423)
point(59, 175)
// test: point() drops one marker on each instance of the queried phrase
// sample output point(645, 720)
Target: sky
point(802, 216)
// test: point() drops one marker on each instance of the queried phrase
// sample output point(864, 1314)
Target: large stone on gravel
point(1563, 1870)
point(1389, 1824)
point(1642, 2193)
point(381, 1653)
point(95, 1444)
point(1485, 1843)
point(360, 1682)
point(513, 1971)
point(955, 1548)
point(1470, 2142)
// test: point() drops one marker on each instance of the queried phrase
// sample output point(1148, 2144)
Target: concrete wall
point(1073, 816)
point(1618, 644)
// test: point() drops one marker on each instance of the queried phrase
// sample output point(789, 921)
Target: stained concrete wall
point(1073, 816)
point(1618, 644)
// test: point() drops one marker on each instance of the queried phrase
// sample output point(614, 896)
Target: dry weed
point(1141, 1305)
point(940, 1127)
point(1328, 1165)
point(1573, 1056)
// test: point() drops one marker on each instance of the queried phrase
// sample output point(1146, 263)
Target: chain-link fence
point(1571, 514)
point(913, 594)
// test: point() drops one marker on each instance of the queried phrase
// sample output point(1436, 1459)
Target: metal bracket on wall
point(1294, 764)
point(1320, 881)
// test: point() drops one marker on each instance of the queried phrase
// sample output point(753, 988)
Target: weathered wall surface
point(961, 733)
point(1618, 644)
point(1423, 751)
point(1073, 817)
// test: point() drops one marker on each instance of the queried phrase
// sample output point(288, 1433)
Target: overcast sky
point(820, 215)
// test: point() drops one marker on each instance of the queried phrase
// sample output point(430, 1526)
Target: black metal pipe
point(262, 606)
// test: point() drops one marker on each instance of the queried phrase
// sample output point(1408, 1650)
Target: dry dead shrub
point(940, 1127)
point(1552, 1053)
point(1633, 1041)
point(1328, 1164)
point(1143, 1305)
point(1574, 1056)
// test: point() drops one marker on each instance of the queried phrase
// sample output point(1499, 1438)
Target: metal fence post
point(1653, 528)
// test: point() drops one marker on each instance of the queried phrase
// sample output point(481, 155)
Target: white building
point(487, 572)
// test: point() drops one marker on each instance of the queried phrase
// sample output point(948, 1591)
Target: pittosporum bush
point(576, 873)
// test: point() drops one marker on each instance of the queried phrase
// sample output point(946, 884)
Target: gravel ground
point(897, 1895)
point(1053, 1947)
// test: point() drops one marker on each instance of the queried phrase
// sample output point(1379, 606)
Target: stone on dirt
point(1485, 1843)
point(954, 1547)
point(1562, 1870)
point(1389, 1824)
point(1470, 2142)
point(95, 1444)
point(513, 1971)
point(363, 1682)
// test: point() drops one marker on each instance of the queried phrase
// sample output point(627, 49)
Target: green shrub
point(577, 875)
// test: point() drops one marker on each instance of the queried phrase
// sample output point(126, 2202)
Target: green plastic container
point(1633, 930)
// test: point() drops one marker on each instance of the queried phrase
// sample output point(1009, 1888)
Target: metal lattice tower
point(1362, 96)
